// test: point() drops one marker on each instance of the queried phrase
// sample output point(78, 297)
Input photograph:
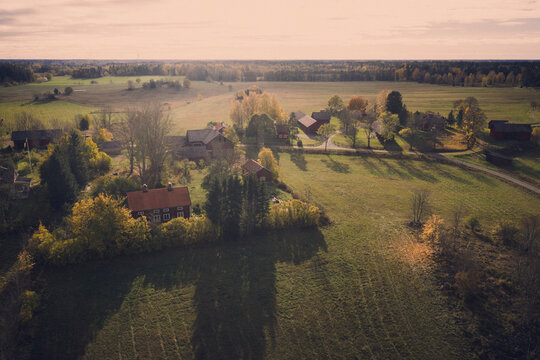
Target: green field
point(189, 110)
point(355, 289)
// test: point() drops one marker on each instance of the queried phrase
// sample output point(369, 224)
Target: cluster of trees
point(455, 73)
point(237, 207)
point(69, 165)
point(470, 118)
point(142, 135)
point(13, 73)
point(464, 263)
point(250, 103)
point(154, 84)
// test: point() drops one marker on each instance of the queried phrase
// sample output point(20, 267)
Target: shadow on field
point(234, 300)
point(336, 166)
point(299, 160)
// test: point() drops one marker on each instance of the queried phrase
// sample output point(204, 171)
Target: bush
point(98, 227)
point(180, 232)
point(506, 232)
point(289, 214)
point(101, 163)
point(117, 186)
point(68, 90)
point(433, 229)
point(472, 222)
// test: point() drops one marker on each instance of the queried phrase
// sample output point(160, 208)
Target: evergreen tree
point(84, 123)
point(459, 118)
point(263, 206)
point(78, 161)
point(451, 119)
point(213, 203)
point(232, 209)
point(61, 183)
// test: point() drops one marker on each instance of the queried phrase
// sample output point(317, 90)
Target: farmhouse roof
point(36, 134)
point(203, 135)
point(323, 115)
point(252, 166)
point(511, 128)
point(158, 198)
point(304, 119)
point(175, 140)
point(110, 145)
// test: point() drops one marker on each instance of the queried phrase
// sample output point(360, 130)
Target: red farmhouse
point(160, 205)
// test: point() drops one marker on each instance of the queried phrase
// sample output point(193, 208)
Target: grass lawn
point(352, 289)
point(525, 166)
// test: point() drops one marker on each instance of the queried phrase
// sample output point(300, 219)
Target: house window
point(179, 208)
point(157, 218)
point(166, 210)
point(180, 214)
point(156, 211)
point(166, 217)
point(140, 213)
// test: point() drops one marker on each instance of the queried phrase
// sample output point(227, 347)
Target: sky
point(277, 29)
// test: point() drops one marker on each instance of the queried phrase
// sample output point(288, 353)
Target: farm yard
point(360, 287)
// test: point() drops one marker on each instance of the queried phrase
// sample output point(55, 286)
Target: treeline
point(455, 73)
point(15, 73)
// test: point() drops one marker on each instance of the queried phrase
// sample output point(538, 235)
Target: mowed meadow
point(210, 101)
point(358, 288)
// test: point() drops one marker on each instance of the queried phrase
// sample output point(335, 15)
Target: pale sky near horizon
point(280, 29)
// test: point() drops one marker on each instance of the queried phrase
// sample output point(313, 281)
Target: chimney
point(145, 188)
point(169, 186)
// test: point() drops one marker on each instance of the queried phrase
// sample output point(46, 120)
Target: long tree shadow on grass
point(336, 166)
point(234, 299)
point(299, 160)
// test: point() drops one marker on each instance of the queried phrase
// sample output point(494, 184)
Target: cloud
point(12, 16)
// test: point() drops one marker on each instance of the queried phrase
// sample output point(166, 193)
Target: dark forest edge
point(482, 73)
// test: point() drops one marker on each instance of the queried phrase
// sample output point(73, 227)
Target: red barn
point(36, 138)
point(160, 205)
point(503, 130)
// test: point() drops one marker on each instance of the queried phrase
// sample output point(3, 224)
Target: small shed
point(111, 147)
point(253, 167)
point(282, 131)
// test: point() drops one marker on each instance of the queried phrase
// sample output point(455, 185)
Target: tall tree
point(213, 205)
point(325, 132)
point(232, 209)
point(78, 161)
point(56, 173)
point(357, 103)
point(390, 123)
point(150, 143)
point(451, 118)
point(380, 101)
point(335, 104)
point(266, 158)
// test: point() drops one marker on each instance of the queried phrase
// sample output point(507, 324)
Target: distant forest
point(455, 73)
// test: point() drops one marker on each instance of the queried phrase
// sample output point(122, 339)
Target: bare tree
point(419, 205)
point(151, 149)
point(368, 121)
point(128, 135)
